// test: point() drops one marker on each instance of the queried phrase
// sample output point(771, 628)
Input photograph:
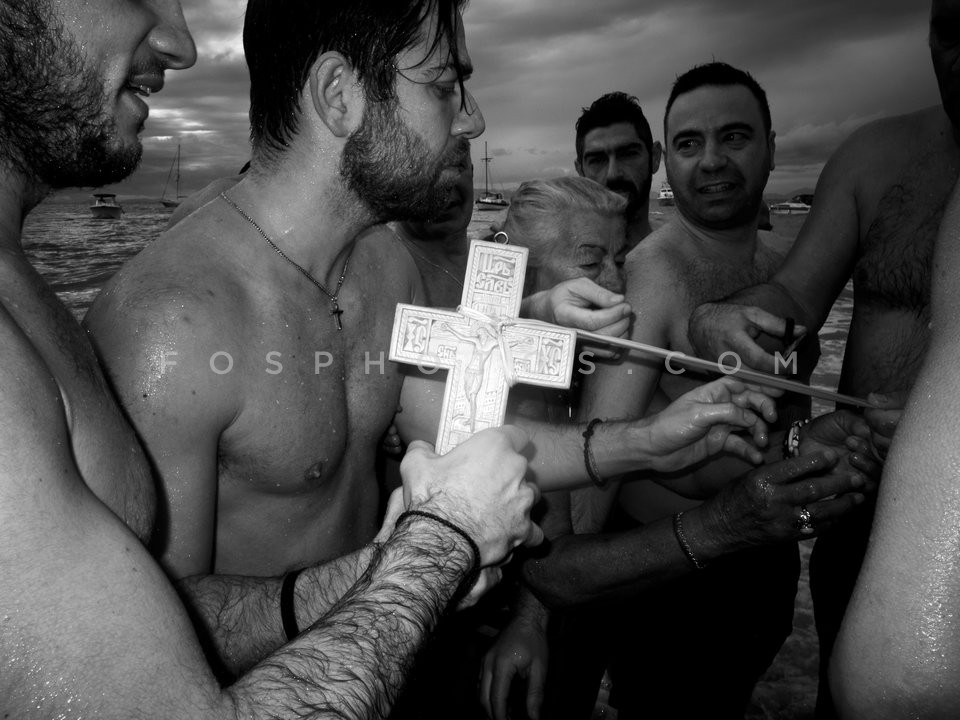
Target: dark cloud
point(827, 66)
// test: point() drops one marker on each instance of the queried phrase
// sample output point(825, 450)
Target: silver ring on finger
point(805, 521)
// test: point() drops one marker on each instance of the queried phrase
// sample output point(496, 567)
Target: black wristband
point(588, 460)
point(288, 615)
point(475, 569)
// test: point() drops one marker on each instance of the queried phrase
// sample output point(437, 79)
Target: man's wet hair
point(718, 73)
point(283, 38)
point(609, 109)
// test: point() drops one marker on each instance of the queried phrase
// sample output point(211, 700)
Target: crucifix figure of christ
point(483, 344)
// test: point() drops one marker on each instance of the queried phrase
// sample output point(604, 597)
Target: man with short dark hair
point(616, 148)
point(879, 202)
point(91, 626)
point(705, 563)
point(248, 344)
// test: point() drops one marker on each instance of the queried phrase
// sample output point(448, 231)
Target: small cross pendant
point(336, 311)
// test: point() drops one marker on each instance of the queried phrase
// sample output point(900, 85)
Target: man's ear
point(773, 147)
point(656, 152)
point(578, 165)
point(336, 97)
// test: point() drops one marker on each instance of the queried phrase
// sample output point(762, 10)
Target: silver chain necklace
point(414, 250)
point(334, 296)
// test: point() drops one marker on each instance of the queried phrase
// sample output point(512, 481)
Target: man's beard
point(633, 195)
point(387, 165)
point(53, 125)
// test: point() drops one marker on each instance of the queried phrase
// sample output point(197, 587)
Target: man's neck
point(737, 243)
point(312, 221)
point(451, 248)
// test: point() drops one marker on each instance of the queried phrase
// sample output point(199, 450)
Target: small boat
point(106, 206)
point(174, 166)
point(797, 205)
point(665, 196)
point(490, 200)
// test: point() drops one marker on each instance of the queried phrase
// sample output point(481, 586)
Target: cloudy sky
point(828, 66)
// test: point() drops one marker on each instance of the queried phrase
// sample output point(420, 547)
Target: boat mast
point(486, 169)
point(178, 171)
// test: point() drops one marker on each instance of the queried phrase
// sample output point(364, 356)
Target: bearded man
point(615, 147)
point(91, 625)
point(248, 343)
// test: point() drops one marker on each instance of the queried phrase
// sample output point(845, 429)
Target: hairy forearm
point(238, 617)
point(353, 661)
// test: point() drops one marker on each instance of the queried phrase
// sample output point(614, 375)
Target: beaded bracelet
point(684, 545)
point(588, 460)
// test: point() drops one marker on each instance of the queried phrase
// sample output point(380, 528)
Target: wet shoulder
point(190, 272)
point(884, 145)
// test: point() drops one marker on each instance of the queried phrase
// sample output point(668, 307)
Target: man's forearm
point(581, 569)
point(238, 617)
point(370, 637)
point(559, 463)
point(773, 297)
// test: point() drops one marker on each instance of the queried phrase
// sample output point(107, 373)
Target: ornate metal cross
point(483, 344)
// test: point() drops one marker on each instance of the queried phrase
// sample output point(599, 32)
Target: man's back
point(255, 409)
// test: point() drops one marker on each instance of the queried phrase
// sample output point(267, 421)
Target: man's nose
point(714, 156)
point(170, 37)
point(469, 122)
point(614, 169)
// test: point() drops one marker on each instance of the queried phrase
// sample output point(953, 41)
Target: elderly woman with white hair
point(573, 227)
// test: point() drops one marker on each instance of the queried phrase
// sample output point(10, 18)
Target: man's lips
point(145, 85)
point(716, 188)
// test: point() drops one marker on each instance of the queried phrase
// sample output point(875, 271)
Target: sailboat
point(174, 166)
point(489, 200)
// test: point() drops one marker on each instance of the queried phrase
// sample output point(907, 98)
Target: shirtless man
point(719, 153)
point(898, 651)
point(91, 626)
point(879, 202)
point(615, 148)
point(261, 393)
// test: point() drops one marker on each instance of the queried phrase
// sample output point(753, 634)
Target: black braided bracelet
point(446, 523)
point(588, 460)
point(288, 615)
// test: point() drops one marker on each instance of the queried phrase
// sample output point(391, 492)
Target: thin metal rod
point(678, 359)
